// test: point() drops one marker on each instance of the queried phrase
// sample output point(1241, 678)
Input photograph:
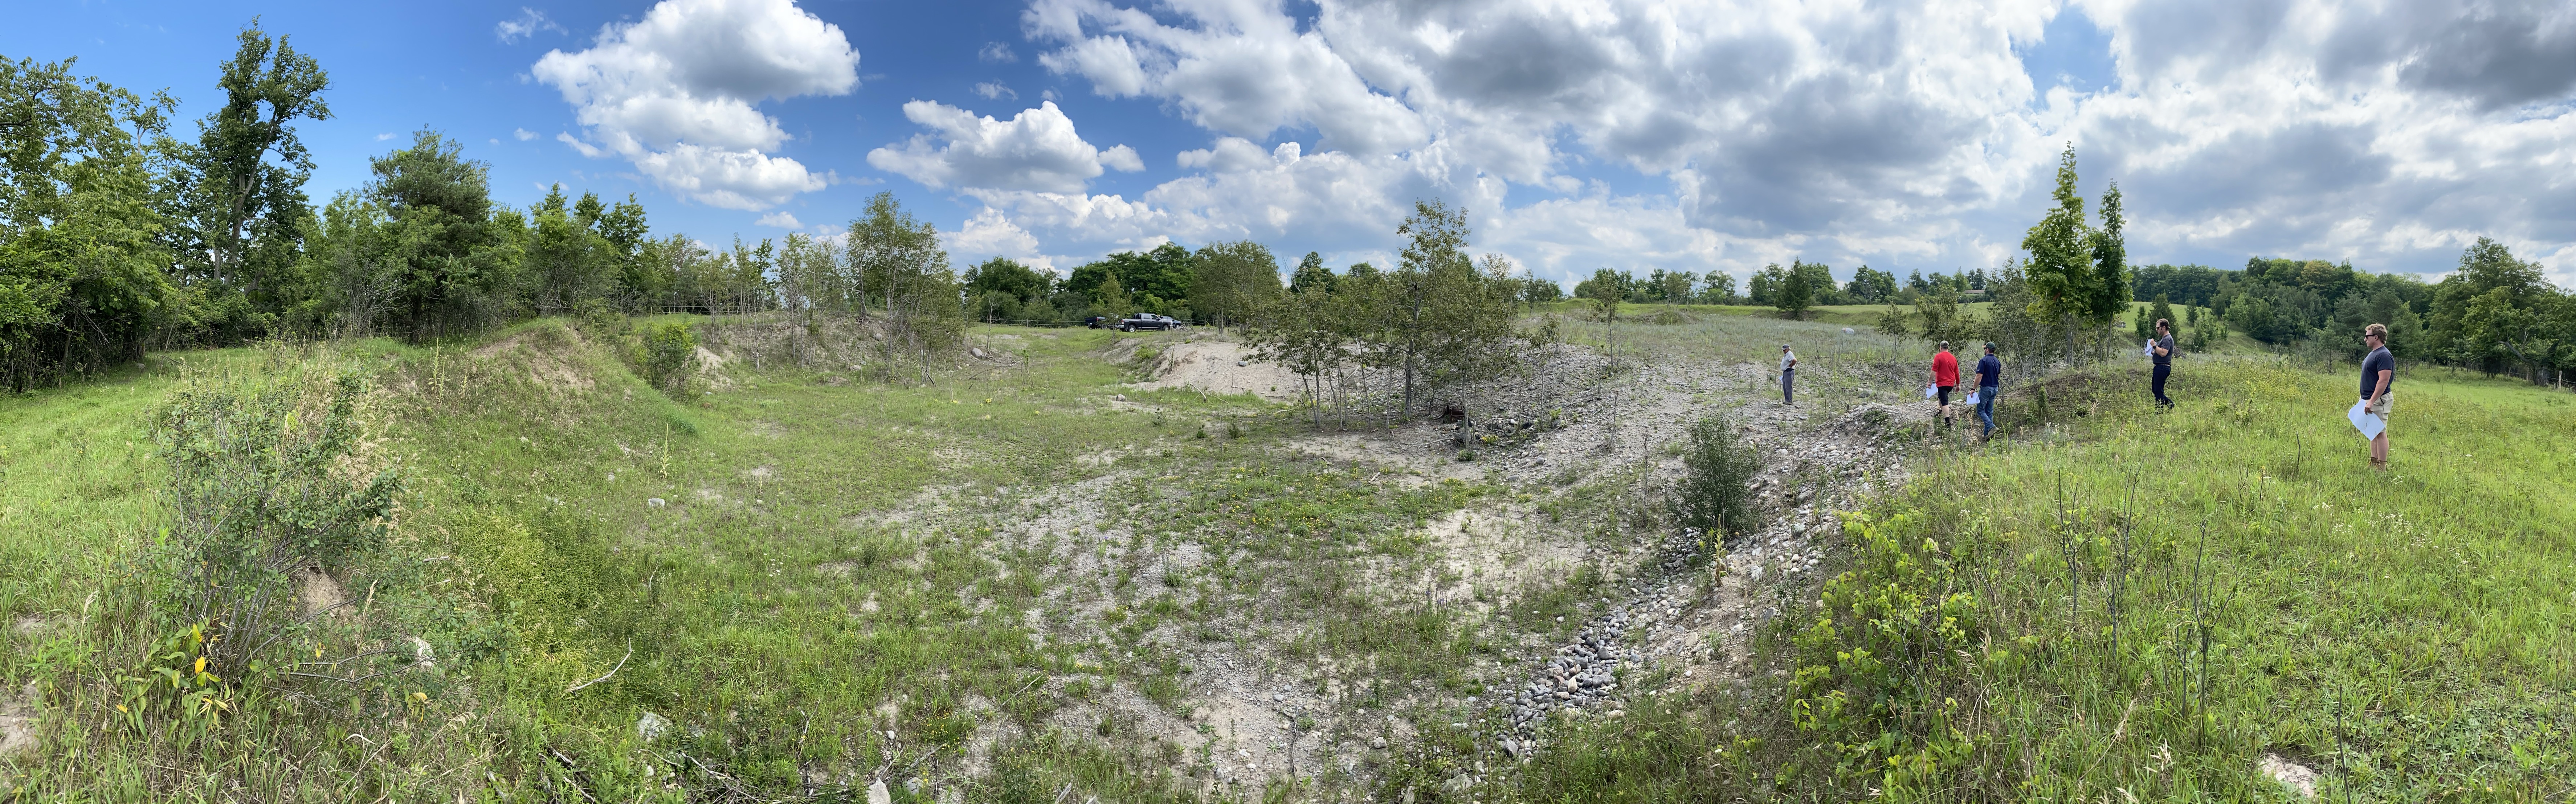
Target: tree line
point(117, 235)
point(2496, 314)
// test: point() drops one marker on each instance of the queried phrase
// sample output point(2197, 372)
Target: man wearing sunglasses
point(2378, 371)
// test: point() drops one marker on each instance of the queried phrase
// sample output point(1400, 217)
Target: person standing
point(1990, 375)
point(2162, 348)
point(1788, 372)
point(1945, 376)
point(2378, 371)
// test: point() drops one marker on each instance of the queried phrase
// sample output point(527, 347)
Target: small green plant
point(1715, 491)
point(668, 356)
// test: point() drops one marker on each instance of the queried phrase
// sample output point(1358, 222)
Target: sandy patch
point(1212, 366)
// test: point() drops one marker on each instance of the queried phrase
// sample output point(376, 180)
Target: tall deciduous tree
point(81, 263)
point(1231, 280)
point(236, 196)
point(899, 261)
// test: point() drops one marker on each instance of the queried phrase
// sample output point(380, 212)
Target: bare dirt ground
point(1218, 367)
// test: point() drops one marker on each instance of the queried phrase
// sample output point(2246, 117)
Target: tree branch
point(621, 665)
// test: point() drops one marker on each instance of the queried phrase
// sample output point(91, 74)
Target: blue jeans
point(1986, 407)
point(1788, 377)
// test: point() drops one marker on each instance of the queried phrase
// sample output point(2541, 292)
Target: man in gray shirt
point(1788, 372)
point(2163, 348)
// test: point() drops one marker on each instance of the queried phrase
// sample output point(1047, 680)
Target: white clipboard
point(2369, 425)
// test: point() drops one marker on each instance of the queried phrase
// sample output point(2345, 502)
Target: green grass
point(841, 559)
point(2411, 635)
point(845, 578)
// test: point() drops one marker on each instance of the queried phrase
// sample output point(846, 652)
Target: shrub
point(667, 356)
point(1715, 492)
point(265, 480)
point(1882, 673)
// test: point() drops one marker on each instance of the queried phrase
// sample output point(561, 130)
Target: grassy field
point(1015, 582)
point(2130, 605)
point(936, 584)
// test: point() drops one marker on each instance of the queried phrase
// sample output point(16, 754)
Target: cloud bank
point(1731, 133)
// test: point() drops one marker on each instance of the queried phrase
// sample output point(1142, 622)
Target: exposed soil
point(1218, 367)
point(1563, 423)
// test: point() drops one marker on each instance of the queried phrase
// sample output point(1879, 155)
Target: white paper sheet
point(1929, 390)
point(2369, 425)
point(1972, 399)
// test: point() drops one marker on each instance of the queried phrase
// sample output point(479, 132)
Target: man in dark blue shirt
point(2378, 371)
point(1990, 373)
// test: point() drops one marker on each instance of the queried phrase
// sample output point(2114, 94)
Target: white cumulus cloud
point(676, 93)
point(1036, 150)
point(1907, 134)
point(780, 219)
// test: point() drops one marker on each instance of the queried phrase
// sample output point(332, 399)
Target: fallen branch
point(621, 665)
point(576, 771)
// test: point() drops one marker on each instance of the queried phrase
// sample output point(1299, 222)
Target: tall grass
point(2128, 604)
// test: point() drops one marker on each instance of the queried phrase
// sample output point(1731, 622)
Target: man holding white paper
point(2378, 371)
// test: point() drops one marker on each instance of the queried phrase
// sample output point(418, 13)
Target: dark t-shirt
point(2378, 361)
point(1990, 372)
point(2165, 342)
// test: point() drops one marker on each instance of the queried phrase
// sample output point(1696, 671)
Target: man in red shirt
point(1945, 376)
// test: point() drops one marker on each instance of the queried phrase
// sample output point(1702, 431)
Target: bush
point(1715, 492)
point(265, 480)
point(668, 355)
point(1883, 671)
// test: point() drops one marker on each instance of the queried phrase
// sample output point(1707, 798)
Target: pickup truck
point(1147, 321)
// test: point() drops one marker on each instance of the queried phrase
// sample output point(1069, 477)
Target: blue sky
point(1629, 134)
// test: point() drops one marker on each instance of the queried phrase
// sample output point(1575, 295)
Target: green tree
point(1821, 288)
point(1936, 314)
point(1446, 322)
point(1715, 491)
point(351, 268)
point(1311, 273)
point(899, 260)
point(456, 265)
point(1895, 323)
point(1001, 279)
point(2061, 268)
point(565, 259)
point(1718, 287)
point(235, 198)
point(83, 267)
point(1794, 296)
point(888, 248)
point(809, 275)
point(1304, 331)
point(1871, 286)
point(1763, 289)
point(1232, 279)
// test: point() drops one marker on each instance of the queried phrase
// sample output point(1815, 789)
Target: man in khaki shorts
point(2378, 371)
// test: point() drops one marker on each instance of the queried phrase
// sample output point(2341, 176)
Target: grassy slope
point(2411, 635)
point(798, 637)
